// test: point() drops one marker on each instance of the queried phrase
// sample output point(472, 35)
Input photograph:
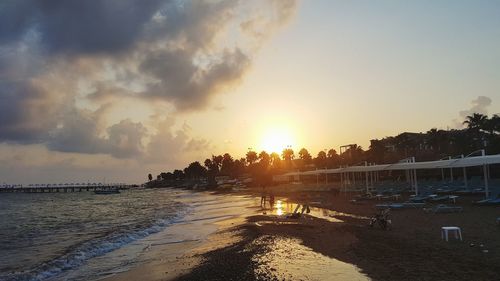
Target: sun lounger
point(494, 199)
point(365, 196)
point(389, 206)
point(444, 198)
point(420, 199)
point(444, 209)
point(413, 205)
point(483, 202)
point(396, 206)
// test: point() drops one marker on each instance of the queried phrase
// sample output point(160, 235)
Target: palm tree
point(377, 151)
point(217, 161)
point(495, 123)
point(251, 157)
point(492, 125)
point(333, 159)
point(288, 156)
point(305, 156)
point(227, 164)
point(275, 160)
point(264, 158)
point(476, 121)
point(320, 160)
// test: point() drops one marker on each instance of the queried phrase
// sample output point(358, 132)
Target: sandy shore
point(335, 243)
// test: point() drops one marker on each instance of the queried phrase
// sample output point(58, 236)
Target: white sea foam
point(91, 249)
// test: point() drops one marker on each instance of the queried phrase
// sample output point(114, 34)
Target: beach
point(333, 242)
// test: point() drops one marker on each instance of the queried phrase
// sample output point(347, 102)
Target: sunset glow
point(277, 139)
point(249, 140)
point(184, 80)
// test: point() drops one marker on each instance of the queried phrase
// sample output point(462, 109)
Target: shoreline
point(411, 250)
point(211, 224)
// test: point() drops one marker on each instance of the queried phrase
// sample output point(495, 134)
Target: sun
point(276, 139)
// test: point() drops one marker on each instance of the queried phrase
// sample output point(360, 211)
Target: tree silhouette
point(251, 157)
point(195, 170)
point(167, 176)
point(288, 155)
point(212, 171)
point(333, 159)
point(305, 156)
point(238, 167)
point(492, 125)
point(320, 160)
point(476, 121)
point(481, 132)
point(264, 158)
point(275, 160)
point(178, 175)
point(227, 164)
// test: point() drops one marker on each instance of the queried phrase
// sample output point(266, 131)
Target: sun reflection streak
point(279, 208)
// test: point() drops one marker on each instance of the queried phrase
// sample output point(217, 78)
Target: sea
point(85, 236)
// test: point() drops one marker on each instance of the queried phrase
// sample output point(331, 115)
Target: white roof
point(439, 164)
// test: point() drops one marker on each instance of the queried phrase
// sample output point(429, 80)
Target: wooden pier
point(52, 189)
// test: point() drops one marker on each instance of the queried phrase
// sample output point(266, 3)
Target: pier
point(61, 188)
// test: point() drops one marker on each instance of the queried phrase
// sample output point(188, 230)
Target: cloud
point(63, 62)
point(186, 85)
point(80, 132)
point(169, 145)
point(27, 111)
point(478, 105)
point(72, 26)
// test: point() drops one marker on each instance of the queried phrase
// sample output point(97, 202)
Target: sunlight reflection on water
point(282, 207)
point(288, 259)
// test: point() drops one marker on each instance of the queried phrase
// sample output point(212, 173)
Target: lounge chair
point(494, 199)
point(443, 198)
point(389, 206)
point(441, 208)
point(397, 206)
point(420, 198)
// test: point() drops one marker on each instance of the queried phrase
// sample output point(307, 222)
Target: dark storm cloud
point(13, 97)
point(158, 51)
point(77, 26)
point(16, 17)
point(25, 112)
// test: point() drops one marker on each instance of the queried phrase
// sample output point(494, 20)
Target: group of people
point(263, 198)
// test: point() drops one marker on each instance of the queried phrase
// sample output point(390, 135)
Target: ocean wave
point(81, 253)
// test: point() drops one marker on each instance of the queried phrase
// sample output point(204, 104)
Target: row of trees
point(481, 133)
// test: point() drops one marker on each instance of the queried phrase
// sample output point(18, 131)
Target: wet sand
point(335, 243)
point(209, 227)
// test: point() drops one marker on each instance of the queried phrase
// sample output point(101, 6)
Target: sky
point(109, 91)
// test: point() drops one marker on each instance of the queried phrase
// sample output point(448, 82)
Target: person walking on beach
point(263, 197)
point(271, 200)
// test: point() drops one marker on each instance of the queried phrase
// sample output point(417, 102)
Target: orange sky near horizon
point(260, 75)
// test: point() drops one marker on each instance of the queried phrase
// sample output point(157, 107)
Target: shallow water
point(83, 236)
point(283, 207)
point(288, 259)
point(44, 235)
point(166, 246)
